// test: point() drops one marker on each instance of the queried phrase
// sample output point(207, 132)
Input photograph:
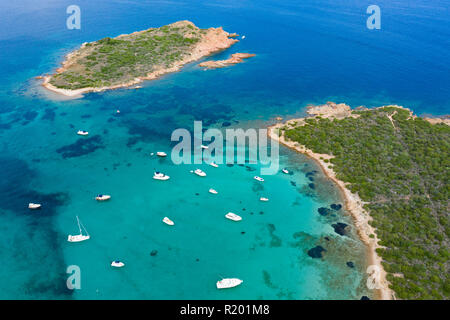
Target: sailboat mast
point(79, 227)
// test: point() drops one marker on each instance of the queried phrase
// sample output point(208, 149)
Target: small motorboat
point(232, 216)
point(160, 176)
point(213, 164)
point(117, 111)
point(161, 154)
point(213, 191)
point(264, 199)
point(285, 171)
point(117, 264)
point(258, 178)
point(204, 147)
point(168, 221)
point(34, 206)
point(82, 133)
point(102, 197)
point(79, 237)
point(243, 37)
point(228, 283)
point(200, 173)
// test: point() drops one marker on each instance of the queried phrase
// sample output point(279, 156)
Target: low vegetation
point(112, 61)
point(401, 168)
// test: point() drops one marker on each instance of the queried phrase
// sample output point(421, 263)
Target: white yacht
point(285, 171)
point(160, 176)
point(102, 197)
point(79, 237)
point(258, 178)
point(204, 147)
point(200, 173)
point(117, 264)
point(161, 154)
point(228, 283)
point(264, 199)
point(213, 164)
point(243, 37)
point(232, 216)
point(213, 191)
point(82, 133)
point(34, 206)
point(168, 221)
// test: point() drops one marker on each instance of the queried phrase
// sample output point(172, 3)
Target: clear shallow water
point(307, 52)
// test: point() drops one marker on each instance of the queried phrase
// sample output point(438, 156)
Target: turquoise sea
point(306, 52)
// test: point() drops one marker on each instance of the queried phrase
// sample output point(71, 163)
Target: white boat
point(79, 237)
point(161, 154)
point(118, 111)
point(213, 164)
point(34, 206)
point(213, 191)
point(204, 147)
point(160, 176)
point(243, 37)
point(232, 216)
point(168, 221)
point(285, 171)
point(228, 283)
point(263, 199)
point(82, 133)
point(200, 173)
point(258, 178)
point(117, 264)
point(102, 197)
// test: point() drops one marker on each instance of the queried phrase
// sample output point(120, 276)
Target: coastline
point(352, 202)
point(213, 41)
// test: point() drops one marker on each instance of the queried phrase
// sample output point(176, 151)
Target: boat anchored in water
point(82, 133)
point(160, 176)
point(213, 191)
point(264, 199)
point(285, 171)
point(168, 221)
point(161, 154)
point(199, 172)
point(233, 216)
point(34, 206)
point(204, 147)
point(102, 197)
point(228, 283)
point(79, 237)
point(258, 178)
point(213, 164)
point(117, 264)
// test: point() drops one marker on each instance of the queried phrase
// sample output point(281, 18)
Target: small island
point(392, 169)
point(128, 59)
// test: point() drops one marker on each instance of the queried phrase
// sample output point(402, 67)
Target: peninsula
point(235, 58)
point(128, 59)
point(392, 169)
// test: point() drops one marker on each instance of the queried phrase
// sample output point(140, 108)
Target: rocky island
point(128, 59)
point(235, 58)
point(392, 169)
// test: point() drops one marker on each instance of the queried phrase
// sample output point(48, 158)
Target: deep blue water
point(306, 52)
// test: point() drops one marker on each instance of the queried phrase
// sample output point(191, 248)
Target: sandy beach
point(213, 41)
point(353, 203)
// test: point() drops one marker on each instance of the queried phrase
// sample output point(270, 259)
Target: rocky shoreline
point(212, 41)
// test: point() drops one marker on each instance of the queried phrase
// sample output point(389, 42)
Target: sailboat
point(79, 237)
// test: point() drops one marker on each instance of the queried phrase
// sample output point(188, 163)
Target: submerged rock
point(324, 211)
point(316, 252)
point(154, 253)
point(336, 206)
point(365, 298)
point(340, 228)
point(312, 186)
point(350, 264)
